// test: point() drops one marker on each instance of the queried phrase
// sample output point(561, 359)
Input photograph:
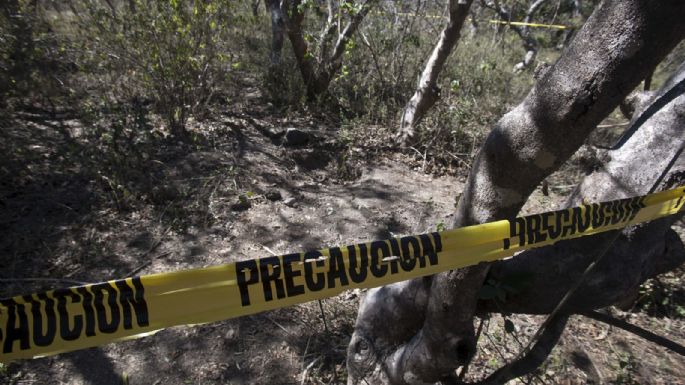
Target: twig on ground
point(147, 263)
point(323, 316)
point(304, 373)
point(638, 331)
point(277, 324)
point(151, 249)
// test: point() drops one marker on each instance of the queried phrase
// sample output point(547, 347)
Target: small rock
point(290, 202)
point(273, 195)
point(275, 132)
point(241, 206)
point(295, 137)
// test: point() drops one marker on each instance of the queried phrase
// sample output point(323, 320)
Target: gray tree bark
point(619, 44)
point(649, 155)
point(428, 92)
point(640, 161)
point(277, 29)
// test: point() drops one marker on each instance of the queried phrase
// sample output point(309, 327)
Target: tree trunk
point(619, 44)
point(19, 15)
point(277, 29)
point(293, 17)
point(317, 81)
point(651, 156)
point(641, 162)
point(332, 65)
point(428, 92)
point(530, 45)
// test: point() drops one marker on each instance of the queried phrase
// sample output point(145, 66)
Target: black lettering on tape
point(582, 222)
point(533, 227)
point(242, 267)
point(411, 248)
point(392, 257)
point(428, 250)
point(14, 332)
point(570, 223)
point(633, 209)
point(395, 247)
point(554, 230)
point(135, 301)
point(65, 332)
point(88, 309)
point(271, 276)
point(43, 337)
point(545, 226)
point(408, 259)
point(437, 241)
point(637, 204)
point(567, 223)
point(517, 228)
point(99, 292)
point(379, 250)
point(597, 216)
point(618, 211)
point(320, 282)
point(356, 276)
point(289, 275)
point(336, 270)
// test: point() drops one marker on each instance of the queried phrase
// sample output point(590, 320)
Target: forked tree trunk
point(619, 44)
point(317, 76)
point(428, 92)
point(650, 154)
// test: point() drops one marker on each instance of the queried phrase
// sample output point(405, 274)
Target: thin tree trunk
point(428, 92)
point(255, 7)
point(529, 44)
point(277, 29)
point(293, 17)
point(619, 44)
point(334, 63)
point(317, 81)
point(577, 9)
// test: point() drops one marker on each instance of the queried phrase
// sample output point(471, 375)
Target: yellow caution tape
point(517, 23)
point(73, 318)
point(534, 25)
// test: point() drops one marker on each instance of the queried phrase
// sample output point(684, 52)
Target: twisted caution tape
point(79, 317)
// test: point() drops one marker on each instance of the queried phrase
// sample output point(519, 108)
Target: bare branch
point(638, 331)
point(427, 92)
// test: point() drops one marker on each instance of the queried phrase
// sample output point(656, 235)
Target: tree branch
point(638, 331)
point(534, 358)
point(427, 92)
point(525, 146)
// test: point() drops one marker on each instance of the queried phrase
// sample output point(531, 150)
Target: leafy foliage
point(169, 52)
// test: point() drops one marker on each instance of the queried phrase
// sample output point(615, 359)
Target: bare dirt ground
point(237, 194)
